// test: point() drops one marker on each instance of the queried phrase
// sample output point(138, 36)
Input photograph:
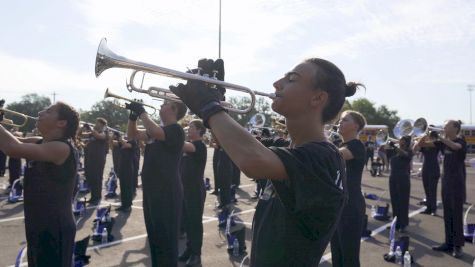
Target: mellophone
point(106, 59)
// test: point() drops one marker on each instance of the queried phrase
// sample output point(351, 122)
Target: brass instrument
point(9, 122)
point(279, 125)
point(331, 132)
point(106, 59)
point(422, 128)
point(122, 105)
point(402, 128)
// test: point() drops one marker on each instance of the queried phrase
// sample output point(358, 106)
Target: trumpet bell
point(402, 128)
point(420, 127)
point(257, 121)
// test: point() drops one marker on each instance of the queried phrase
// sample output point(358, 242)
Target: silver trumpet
point(106, 59)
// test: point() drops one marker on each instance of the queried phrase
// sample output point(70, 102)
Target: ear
point(62, 123)
point(319, 98)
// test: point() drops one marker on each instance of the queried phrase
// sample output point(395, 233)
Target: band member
point(399, 181)
point(14, 164)
point(49, 184)
point(453, 187)
point(430, 172)
point(299, 210)
point(3, 162)
point(136, 163)
point(345, 244)
point(370, 145)
point(224, 175)
point(194, 192)
point(161, 183)
point(215, 164)
point(95, 158)
point(126, 173)
point(115, 142)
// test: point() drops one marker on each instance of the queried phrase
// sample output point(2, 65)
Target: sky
point(416, 57)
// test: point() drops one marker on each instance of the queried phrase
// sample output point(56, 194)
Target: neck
point(168, 121)
point(51, 136)
point(348, 137)
point(304, 129)
point(195, 138)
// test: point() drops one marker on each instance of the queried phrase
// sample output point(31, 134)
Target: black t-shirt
point(162, 159)
point(401, 164)
point(431, 161)
point(296, 218)
point(127, 154)
point(193, 167)
point(354, 170)
point(369, 148)
point(454, 160)
point(96, 147)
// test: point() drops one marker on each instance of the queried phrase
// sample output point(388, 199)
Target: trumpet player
point(430, 170)
point(161, 183)
point(345, 244)
point(453, 186)
point(49, 183)
point(95, 154)
point(302, 204)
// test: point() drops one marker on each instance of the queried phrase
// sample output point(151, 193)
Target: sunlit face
point(347, 125)
point(193, 132)
point(47, 119)
point(450, 129)
point(295, 91)
point(166, 109)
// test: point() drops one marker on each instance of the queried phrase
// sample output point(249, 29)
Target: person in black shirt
point(301, 206)
point(345, 244)
point(399, 181)
point(126, 173)
point(49, 184)
point(453, 187)
point(95, 158)
point(194, 192)
point(115, 148)
point(430, 172)
point(369, 150)
point(3, 161)
point(161, 183)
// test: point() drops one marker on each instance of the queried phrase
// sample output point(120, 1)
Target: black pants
point(14, 169)
point(236, 175)
point(430, 182)
point(193, 216)
point(215, 168)
point(136, 162)
point(162, 210)
point(3, 163)
point(94, 170)
point(345, 243)
point(453, 199)
point(399, 189)
point(126, 177)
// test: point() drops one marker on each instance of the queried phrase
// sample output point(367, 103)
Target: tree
point(117, 117)
point(376, 115)
point(261, 106)
point(30, 105)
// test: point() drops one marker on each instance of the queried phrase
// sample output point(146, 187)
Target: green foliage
point(376, 115)
point(30, 105)
point(116, 116)
point(262, 106)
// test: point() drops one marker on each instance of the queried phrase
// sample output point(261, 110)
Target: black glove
point(209, 67)
point(133, 116)
point(200, 99)
point(392, 144)
point(136, 108)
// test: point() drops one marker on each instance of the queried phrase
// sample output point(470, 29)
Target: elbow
point(251, 168)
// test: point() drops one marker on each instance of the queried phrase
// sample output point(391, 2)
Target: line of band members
point(166, 201)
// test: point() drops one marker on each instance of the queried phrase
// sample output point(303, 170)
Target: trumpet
point(109, 94)
point(422, 128)
point(106, 59)
point(10, 122)
point(382, 138)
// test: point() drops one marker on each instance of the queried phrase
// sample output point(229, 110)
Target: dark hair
point(199, 125)
point(358, 118)
point(180, 110)
point(407, 140)
point(70, 115)
point(265, 133)
point(102, 120)
point(330, 79)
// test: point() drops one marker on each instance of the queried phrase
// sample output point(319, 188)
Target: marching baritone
point(48, 185)
point(161, 184)
point(345, 243)
point(301, 206)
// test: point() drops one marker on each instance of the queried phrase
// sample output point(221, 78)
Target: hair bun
point(350, 88)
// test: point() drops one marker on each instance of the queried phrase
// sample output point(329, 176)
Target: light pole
point(219, 41)
point(470, 90)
